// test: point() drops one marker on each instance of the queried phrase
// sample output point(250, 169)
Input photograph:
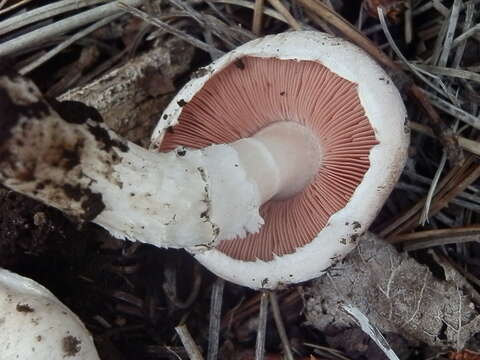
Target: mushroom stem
point(183, 198)
point(281, 159)
point(178, 199)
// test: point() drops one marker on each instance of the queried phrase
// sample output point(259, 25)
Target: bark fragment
point(397, 294)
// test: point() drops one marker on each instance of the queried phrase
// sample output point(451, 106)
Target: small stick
point(277, 316)
point(262, 327)
point(467, 144)
point(42, 13)
point(57, 49)
point(452, 26)
point(171, 29)
point(215, 318)
point(278, 5)
point(44, 33)
point(467, 34)
point(188, 343)
point(249, 5)
point(257, 17)
point(466, 25)
point(14, 6)
point(408, 22)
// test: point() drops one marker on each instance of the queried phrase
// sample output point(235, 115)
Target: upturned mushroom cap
point(350, 104)
point(34, 324)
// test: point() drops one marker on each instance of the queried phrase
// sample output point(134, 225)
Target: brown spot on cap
point(181, 103)
point(71, 345)
point(25, 308)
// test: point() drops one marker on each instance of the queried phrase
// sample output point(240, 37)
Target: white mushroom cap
point(34, 324)
point(383, 106)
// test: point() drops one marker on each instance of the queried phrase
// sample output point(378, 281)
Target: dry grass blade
point(14, 6)
point(277, 316)
point(446, 71)
point(24, 42)
point(453, 110)
point(467, 144)
point(262, 327)
point(44, 12)
point(467, 34)
point(188, 343)
point(257, 17)
point(215, 318)
point(170, 29)
point(408, 28)
point(332, 18)
point(419, 74)
point(429, 238)
point(326, 351)
point(250, 5)
point(469, 12)
point(452, 26)
point(66, 43)
point(453, 183)
point(278, 5)
point(433, 186)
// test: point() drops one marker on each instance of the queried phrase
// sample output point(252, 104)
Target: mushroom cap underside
point(366, 128)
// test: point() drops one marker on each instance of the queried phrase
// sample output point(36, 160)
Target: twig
point(369, 329)
point(257, 17)
point(25, 41)
point(408, 22)
point(453, 183)
point(170, 29)
point(442, 9)
point(466, 35)
point(462, 44)
point(278, 5)
point(63, 45)
point(397, 51)
point(250, 5)
point(446, 71)
point(170, 288)
point(452, 26)
point(336, 353)
point(215, 317)
point(188, 343)
point(432, 189)
point(455, 111)
point(430, 238)
point(43, 13)
point(277, 316)
point(467, 144)
point(14, 6)
point(262, 327)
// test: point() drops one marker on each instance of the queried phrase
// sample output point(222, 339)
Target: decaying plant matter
point(398, 295)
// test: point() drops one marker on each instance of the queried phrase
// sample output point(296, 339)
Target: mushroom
point(274, 159)
point(34, 324)
point(334, 128)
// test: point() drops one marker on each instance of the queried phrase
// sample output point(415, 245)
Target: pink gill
point(254, 92)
